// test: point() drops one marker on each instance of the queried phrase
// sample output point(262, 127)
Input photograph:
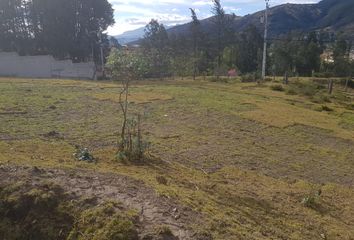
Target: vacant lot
point(239, 158)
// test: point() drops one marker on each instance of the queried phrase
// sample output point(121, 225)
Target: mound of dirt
point(78, 204)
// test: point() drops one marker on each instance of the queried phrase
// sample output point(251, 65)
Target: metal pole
point(264, 63)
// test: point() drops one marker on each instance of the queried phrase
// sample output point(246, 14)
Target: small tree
point(126, 66)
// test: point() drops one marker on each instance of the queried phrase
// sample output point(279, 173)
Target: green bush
point(277, 87)
point(83, 154)
point(250, 77)
point(307, 88)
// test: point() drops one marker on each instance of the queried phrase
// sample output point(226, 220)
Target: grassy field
point(243, 155)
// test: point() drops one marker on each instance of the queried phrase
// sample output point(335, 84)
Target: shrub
point(305, 88)
point(326, 108)
point(321, 98)
point(311, 199)
point(291, 91)
point(324, 74)
point(161, 180)
point(277, 87)
point(83, 154)
point(250, 77)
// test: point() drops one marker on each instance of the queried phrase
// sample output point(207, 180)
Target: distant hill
point(132, 36)
point(330, 15)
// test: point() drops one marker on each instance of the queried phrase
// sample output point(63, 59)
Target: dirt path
point(154, 210)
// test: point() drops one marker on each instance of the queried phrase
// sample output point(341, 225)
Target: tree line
point(199, 52)
point(65, 29)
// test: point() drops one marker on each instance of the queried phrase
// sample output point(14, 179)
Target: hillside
point(226, 161)
point(130, 36)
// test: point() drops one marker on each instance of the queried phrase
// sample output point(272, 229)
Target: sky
point(133, 14)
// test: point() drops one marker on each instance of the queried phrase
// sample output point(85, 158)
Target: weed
point(161, 180)
point(83, 154)
point(311, 199)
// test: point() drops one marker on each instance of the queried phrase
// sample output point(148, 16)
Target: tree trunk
point(286, 78)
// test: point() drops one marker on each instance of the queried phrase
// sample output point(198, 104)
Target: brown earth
point(153, 210)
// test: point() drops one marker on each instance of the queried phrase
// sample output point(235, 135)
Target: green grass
point(240, 153)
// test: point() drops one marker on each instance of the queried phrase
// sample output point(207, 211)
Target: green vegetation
point(241, 154)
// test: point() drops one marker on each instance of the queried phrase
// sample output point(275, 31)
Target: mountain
point(130, 36)
point(329, 15)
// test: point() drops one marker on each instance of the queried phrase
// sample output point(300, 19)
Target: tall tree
point(248, 50)
point(308, 58)
point(156, 46)
point(196, 33)
point(223, 30)
point(66, 28)
point(341, 58)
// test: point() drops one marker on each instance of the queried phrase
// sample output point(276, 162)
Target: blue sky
point(133, 14)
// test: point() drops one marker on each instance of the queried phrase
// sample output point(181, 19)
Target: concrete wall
point(11, 64)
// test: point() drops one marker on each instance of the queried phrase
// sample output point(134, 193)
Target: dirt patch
point(153, 210)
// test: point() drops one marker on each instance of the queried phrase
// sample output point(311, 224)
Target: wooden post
point(330, 87)
point(346, 84)
point(286, 78)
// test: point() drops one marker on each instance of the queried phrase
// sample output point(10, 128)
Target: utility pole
point(264, 63)
point(102, 57)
